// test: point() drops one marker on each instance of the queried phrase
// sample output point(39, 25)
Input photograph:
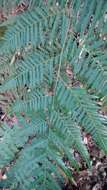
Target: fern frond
point(30, 28)
point(66, 126)
point(44, 51)
point(38, 153)
point(84, 111)
point(85, 47)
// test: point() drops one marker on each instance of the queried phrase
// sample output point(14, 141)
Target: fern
point(36, 49)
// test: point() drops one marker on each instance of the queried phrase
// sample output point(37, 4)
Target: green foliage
point(36, 50)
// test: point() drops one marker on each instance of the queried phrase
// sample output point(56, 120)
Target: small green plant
point(54, 70)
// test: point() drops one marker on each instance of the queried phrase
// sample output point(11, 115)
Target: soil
point(94, 178)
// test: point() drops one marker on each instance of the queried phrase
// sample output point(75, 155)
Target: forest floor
point(94, 178)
